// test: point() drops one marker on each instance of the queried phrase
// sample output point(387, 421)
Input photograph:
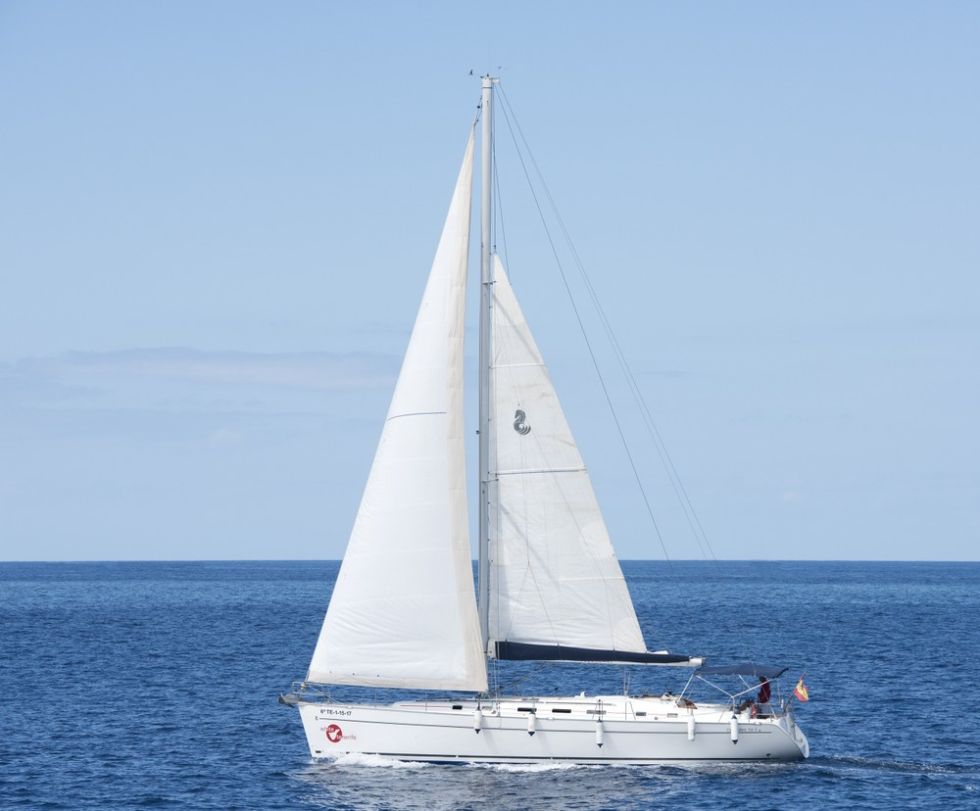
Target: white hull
point(632, 731)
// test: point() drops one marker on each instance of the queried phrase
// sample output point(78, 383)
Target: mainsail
point(403, 612)
point(556, 588)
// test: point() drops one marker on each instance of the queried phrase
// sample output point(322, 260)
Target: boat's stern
point(795, 734)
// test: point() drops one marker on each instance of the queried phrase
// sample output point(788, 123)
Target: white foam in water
point(529, 768)
point(376, 762)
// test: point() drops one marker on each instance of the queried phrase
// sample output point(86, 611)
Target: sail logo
point(334, 733)
point(519, 424)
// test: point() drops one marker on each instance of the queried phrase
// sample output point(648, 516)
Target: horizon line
point(621, 560)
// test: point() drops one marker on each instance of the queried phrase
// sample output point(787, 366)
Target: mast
point(486, 297)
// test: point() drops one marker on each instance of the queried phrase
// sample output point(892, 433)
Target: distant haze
point(217, 220)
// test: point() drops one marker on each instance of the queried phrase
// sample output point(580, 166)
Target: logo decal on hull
point(334, 733)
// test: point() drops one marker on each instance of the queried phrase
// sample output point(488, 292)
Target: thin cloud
point(167, 377)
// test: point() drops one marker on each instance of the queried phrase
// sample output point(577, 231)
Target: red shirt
point(765, 692)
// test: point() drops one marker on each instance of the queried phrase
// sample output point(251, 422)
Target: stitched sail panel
point(555, 578)
point(403, 612)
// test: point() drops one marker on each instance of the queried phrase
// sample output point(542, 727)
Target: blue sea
point(154, 685)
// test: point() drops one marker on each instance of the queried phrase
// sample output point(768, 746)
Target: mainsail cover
point(403, 612)
point(555, 579)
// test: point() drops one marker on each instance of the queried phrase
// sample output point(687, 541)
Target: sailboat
point(403, 613)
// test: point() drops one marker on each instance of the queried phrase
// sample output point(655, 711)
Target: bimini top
point(742, 669)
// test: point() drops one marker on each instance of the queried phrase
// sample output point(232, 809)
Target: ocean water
point(132, 685)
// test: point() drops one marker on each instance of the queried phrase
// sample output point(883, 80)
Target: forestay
point(555, 579)
point(403, 612)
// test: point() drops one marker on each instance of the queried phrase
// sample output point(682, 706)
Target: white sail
point(555, 579)
point(403, 612)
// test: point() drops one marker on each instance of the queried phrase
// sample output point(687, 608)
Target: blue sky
point(216, 220)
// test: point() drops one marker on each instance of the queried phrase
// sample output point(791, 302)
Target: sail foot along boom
point(523, 651)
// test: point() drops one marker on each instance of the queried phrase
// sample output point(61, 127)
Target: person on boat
point(762, 700)
point(765, 691)
point(760, 706)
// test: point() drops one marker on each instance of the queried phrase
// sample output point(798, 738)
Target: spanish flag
point(801, 692)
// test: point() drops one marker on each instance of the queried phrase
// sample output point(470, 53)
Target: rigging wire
point(585, 336)
point(677, 484)
point(498, 203)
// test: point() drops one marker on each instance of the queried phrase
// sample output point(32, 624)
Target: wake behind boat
point(403, 614)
